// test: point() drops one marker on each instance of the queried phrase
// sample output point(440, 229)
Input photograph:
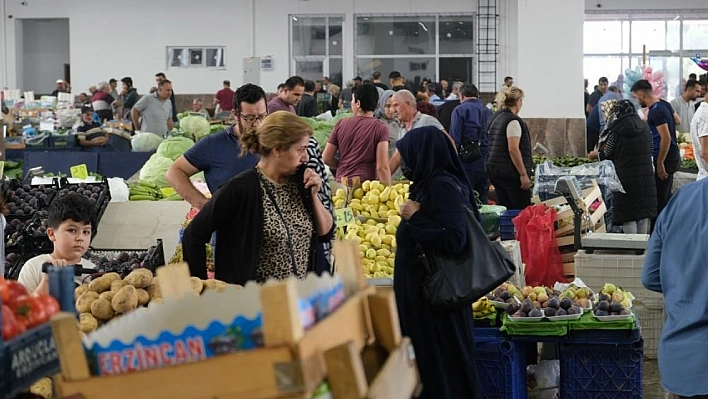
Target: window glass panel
point(673, 35)
point(595, 67)
point(649, 33)
point(335, 71)
point(672, 75)
point(695, 35)
point(335, 36)
point(456, 35)
point(309, 70)
point(413, 69)
point(458, 68)
point(603, 37)
point(395, 35)
point(177, 57)
point(308, 36)
point(196, 56)
point(215, 57)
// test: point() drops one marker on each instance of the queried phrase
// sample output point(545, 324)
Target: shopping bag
point(539, 247)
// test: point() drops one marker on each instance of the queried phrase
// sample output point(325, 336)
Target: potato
point(87, 322)
point(217, 285)
point(143, 296)
point(100, 285)
point(154, 290)
point(139, 278)
point(112, 277)
point(80, 290)
point(125, 300)
point(101, 309)
point(156, 300)
point(83, 304)
point(197, 285)
point(118, 284)
point(108, 295)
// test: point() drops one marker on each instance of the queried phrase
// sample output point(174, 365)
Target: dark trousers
point(663, 191)
point(674, 396)
point(510, 194)
point(479, 182)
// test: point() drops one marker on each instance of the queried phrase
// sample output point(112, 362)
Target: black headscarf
point(429, 154)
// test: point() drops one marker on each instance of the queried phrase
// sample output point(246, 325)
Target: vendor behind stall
point(88, 136)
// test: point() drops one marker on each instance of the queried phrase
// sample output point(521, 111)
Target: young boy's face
point(71, 239)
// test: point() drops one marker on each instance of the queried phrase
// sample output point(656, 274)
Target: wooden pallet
point(291, 365)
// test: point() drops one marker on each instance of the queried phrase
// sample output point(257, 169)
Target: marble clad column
point(549, 68)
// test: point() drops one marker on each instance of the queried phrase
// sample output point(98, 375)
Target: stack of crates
point(624, 269)
point(500, 364)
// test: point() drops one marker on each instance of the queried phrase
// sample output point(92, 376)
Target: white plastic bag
point(119, 190)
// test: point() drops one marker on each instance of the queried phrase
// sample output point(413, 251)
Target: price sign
point(79, 172)
point(344, 217)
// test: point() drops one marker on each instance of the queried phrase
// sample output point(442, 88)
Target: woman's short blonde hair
point(280, 130)
point(509, 97)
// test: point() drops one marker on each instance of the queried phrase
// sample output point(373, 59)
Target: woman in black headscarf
point(434, 216)
point(628, 146)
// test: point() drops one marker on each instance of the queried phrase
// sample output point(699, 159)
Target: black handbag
point(455, 281)
point(470, 151)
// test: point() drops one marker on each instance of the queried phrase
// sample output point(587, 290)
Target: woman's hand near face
point(312, 181)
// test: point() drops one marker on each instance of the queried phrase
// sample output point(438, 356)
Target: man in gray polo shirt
point(156, 111)
point(404, 104)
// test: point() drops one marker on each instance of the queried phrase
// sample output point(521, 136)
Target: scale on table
point(569, 187)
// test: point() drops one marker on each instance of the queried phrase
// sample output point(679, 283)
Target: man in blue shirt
point(218, 155)
point(468, 128)
point(665, 151)
point(675, 267)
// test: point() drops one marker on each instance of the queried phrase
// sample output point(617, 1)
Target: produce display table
point(123, 164)
point(138, 224)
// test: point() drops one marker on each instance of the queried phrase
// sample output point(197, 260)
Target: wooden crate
point(565, 234)
point(291, 365)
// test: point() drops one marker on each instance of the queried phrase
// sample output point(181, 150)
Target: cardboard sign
point(79, 172)
point(344, 217)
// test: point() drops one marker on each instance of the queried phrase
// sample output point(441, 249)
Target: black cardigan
point(235, 213)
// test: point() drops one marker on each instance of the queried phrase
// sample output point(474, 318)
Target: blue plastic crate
point(501, 367)
point(506, 225)
point(591, 371)
point(28, 358)
point(62, 141)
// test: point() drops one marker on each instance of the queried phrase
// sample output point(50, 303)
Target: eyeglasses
point(253, 118)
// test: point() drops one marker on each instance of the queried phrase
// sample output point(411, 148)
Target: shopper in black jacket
point(509, 163)
point(269, 220)
point(628, 146)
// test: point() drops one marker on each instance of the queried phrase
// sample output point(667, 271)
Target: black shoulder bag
point(456, 281)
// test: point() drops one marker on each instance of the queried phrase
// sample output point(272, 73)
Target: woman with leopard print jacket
point(269, 220)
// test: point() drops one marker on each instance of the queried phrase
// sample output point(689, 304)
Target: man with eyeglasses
point(218, 154)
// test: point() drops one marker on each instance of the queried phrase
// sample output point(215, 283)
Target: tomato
point(50, 305)
point(10, 326)
point(29, 311)
point(14, 291)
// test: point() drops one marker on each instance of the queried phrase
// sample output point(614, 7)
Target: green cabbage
point(145, 142)
point(155, 169)
point(174, 147)
point(195, 126)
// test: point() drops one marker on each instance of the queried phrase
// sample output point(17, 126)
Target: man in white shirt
point(699, 137)
point(684, 105)
point(455, 93)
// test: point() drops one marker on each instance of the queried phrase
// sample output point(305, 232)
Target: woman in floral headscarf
point(628, 146)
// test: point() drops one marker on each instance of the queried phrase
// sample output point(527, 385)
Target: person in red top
point(362, 141)
point(224, 98)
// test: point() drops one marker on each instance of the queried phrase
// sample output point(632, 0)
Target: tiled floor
point(652, 381)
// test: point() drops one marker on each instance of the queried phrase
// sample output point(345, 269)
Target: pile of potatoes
point(109, 296)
